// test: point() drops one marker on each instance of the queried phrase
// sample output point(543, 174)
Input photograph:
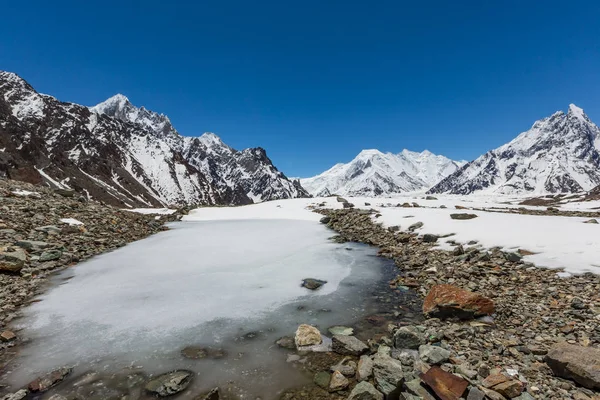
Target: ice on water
point(201, 283)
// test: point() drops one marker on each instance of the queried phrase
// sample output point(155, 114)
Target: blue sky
point(314, 82)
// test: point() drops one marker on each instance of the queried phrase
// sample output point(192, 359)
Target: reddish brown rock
point(494, 379)
point(49, 380)
point(7, 336)
point(451, 301)
point(446, 385)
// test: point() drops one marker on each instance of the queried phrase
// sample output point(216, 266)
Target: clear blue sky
point(314, 82)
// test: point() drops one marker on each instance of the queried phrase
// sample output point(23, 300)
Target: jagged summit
point(559, 154)
point(125, 155)
point(374, 173)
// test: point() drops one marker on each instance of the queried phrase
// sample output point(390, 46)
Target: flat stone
point(338, 382)
point(348, 345)
point(286, 342)
point(408, 337)
point(494, 379)
point(12, 259)
point(198, 352)
point(33, 244)
point(415, 226)
point(513, 257)
point(581, 364)
point(312, 284)
point(365, 391)
point(341, 330)
point(451, 301)
point(591, 221)
point(415, 388)
point(7, 336)
point(307, 335)
point(170, 383)
point(364, 370)
point(510, 389)
point(49, 380)
point(446, 385)
point(433, 354)
point(322, 379)
point(50, 255)
point(463, 216)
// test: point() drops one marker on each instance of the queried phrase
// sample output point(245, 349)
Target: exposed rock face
point(447, 300)
point(307, 335)
point(559, 154)
point(581, 364)
point(126, 156)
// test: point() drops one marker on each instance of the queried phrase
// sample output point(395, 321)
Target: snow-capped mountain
point(559, 154)
point(126, 156)
point(373, 173)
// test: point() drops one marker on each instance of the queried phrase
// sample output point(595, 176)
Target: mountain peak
point(576, 111)
point(112, 105)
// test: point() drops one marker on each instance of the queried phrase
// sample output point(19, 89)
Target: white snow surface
point(373, 173)
point(158, 211)
point(71, 221)
point(559, 242)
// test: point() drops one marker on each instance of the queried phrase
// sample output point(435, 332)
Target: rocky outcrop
point(126, 156)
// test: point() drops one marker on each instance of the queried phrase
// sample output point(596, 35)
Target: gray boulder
point(581, 364)
point(365, 391)
point(408, 337)
point(388, 374)
point(348, 345)
point(433, 354)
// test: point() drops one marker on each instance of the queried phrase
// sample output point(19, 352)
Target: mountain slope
point(124, 155)
point(373, 173)
point(559, 154)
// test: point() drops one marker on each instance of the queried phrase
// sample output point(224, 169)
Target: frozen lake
point(233, 285)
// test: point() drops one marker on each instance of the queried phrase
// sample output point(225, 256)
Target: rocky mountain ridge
point(374, 173)
point(559, 154)
point(126, 156)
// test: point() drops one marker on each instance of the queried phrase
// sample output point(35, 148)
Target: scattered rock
point(7, 336)
point(430, 238)
point(338, 382)
point(581, 364)
point(364, 370)
point(463, 216)
point(170, 383)
point(286, 342)
point(198, 352)
point(475, 394)
point(322, 379)
point(325, 220)
point(388, 374)
point(446, 385)
point(341, 330)
point(433, 354)
point(312, 284)
point(12, 259)
point(513, 257)
point(408, 337)
point(450, 301)
point(430, 198)
point(19, 395)
point(307, 335)
point(415, 388)
point(365, 391)
point(415, 226)
point(348, 345)
point(50, 255)
point(591, 221)
point(49, 380)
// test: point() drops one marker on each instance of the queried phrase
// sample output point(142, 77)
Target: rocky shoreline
point(44, 230)
point(508, 329)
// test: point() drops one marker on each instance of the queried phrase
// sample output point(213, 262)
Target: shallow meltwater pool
point(228, 288)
